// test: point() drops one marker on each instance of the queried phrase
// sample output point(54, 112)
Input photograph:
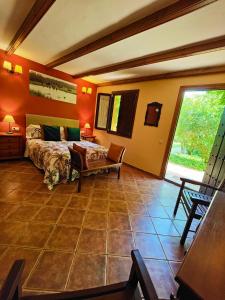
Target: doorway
point(196, 132)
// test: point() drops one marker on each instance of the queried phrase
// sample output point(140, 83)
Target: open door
point(215, 170)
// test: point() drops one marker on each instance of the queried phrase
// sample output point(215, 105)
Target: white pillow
point(62, 134)
point(33, 132)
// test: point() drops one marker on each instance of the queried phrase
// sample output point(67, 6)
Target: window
point(116, 113)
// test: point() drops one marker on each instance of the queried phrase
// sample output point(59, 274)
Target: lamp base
point(9, 132)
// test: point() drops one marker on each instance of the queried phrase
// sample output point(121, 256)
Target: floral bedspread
point(54, 158)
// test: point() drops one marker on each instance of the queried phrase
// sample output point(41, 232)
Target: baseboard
point(139, 169)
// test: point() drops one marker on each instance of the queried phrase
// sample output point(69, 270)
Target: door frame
point(182, 90)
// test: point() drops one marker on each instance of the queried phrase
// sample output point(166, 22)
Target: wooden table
point(202, 273)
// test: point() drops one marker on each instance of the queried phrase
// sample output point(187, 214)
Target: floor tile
point(14, 253)
point(6, 208)
point(64, 238)
point(23, 212)
point(93, 265)
point(175, 266)
point(72, 217)
point(92, 241)
point(156, 210)
point(79, 202)
point(162, 277)
point(118, 269)
point(120, 243)
point(149, 246)
point(118, 206)
point(37, 198)
point(59, 200)
point(9, 231)
point(165, 227)
point(114, 195)
point(142, 224)
point(136, 208)
point(133, 197)
point(119, 221)
point(100, 194)
point(172, 248)
point(33, 234)
point(44, 275)
point(48, 214)
point(99, 205)
point(95, 220)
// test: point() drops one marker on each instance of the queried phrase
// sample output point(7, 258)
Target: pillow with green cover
point(73, 134)
point(51, 133)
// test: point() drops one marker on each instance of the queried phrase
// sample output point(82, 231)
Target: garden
point(197, 127)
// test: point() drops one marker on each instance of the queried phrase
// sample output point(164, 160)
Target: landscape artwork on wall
point(52, 88)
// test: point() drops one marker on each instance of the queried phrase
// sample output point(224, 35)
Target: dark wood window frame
point(97, 111)
point(110, 112)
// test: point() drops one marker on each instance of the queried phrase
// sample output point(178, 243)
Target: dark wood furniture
point(77, 164)
point(127, 290)
point(11, 146)
point(90, 138)
point(202, 273)
point(195, 204)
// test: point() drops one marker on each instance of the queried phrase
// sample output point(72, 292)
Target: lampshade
point(18, 69)
point(7, 65)
point(8, 119)
point(87, 125)
point(89, 91)
point(84, 90)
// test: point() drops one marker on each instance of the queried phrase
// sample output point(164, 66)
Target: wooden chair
point(195, 203)
point(127, 290)
point(77, 164)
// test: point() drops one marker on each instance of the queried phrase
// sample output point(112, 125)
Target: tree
point(198, 122)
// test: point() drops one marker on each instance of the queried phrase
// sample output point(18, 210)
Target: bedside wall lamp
point(86, 90)
point(7, 65)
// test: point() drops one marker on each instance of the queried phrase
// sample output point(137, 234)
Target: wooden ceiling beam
point(37, 11)
point(175, 53)
point(185, 73)
point(171, 12)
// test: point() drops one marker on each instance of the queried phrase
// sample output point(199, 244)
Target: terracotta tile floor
point(75, 241)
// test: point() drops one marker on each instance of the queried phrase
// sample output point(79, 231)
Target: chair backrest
point(116, 153)
point(76, 159)
point(11, 289)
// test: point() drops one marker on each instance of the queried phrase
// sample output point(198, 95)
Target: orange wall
point(16, 100)
point(146, 148)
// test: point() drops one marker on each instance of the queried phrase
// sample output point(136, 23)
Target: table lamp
point(9, 119)
point(86, 127)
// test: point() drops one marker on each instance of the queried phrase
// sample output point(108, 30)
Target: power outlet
point(15, 128)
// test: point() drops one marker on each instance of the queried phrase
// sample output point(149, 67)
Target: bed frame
point(52, 121)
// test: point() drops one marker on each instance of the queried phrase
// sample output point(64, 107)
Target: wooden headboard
point(52, 121)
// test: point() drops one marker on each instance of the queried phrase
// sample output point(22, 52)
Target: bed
point(54, 157)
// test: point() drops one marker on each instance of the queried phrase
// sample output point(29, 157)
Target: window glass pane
point(115, 115)
point(103, 111)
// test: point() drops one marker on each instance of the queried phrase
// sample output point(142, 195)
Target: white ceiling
point(70, 24)
point(187, 63)
point(12, 14)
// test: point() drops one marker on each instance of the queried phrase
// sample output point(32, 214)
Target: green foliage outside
point(197, 126)
point(116, 109)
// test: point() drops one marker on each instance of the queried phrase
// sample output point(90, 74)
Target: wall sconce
point(7, 65)
point(86, 90)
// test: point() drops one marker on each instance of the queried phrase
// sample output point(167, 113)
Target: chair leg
point(71, 172)
point(188, 224)
point(79, 183)
point(118, 175)
point(178, 200)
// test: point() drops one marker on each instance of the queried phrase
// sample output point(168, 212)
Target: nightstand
point(11, 146)
point(90, 138)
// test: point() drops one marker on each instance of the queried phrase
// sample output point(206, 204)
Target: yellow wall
point(146, 148)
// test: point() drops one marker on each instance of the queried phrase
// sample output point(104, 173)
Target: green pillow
point(51, 133)
point(73, 134)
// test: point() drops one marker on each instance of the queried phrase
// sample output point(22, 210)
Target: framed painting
point(52, 88)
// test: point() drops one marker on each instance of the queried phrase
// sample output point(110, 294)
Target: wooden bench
point(107, 163)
